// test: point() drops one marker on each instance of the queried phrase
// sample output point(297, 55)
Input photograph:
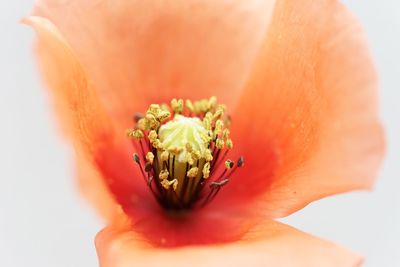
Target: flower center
point(184, 159)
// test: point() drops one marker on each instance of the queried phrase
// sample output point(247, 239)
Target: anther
point(152, 135)
point(229, 144)
point(164, 155)
point(177, 105)
point(135, 133)
point(206, 170)
point(229, 164)
point(182, 155)
point(136, 158)
point(163, 174)
point(240, 162)
point(150, 157)
point(167, 184)
point(163, 115)
point(192, 172)
point(143, 124)
point(189, 105)
point(220, 143)
point(225, 134)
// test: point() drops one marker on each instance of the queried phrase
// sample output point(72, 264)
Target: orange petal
point(97, 140)
point(154, 50)
point(308, 123)
point(273, 244)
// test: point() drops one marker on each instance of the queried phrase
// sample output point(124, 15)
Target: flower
point(296, 74)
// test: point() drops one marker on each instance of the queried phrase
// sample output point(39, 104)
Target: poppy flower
point(196, 183)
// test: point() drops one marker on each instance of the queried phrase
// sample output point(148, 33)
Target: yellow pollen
point(208, 155)
point(189, 105)
point(152, 135)
point(193, 172)
point(167, 184)
point(138, 134)
point(229, 144)
point(164, 155)
point(228, 164)
point(206, 170)
point(220, 144)
point(177, 105)
point(163, 174)
point(150, 157)
point(184, 146)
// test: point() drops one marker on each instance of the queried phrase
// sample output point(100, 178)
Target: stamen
point(192, 172)
point(182, 154)
point(150, 157)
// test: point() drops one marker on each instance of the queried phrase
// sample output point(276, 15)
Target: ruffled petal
point(273, 244)
point(307, 123)
point(156, 50)
point(103, 152)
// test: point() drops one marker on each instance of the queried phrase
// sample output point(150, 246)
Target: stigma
point(182, 151)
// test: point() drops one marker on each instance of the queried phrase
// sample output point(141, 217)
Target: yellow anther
point(175, 150)
point(207, 123)
point(228, 164)
point(153, 109)
point(157, 144)
point(212, 102)
point(137, 134)
point(225, 134)
point(152, 121)
point(192, 172)
point(195, 155)
point(167, 184)
point(206, 170)
point(163, 115)
point(208, 155)
point(219, 124)
point(150, 157)
point(177, 105)
point(184, 148)
point(208, 116)
point(229, 144)
point(164, 107)
point(220, 143)
point(174, 184)
point(189, 159)
point(201, 106)
point(164, 155)
point(189, 105)
point(163, 174)
point(219, 112)
point(152, 136)
point(206, 137)
point(144, 124)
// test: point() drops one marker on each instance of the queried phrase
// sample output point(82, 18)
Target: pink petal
point(308, 122)
point(104, 154)
point(272, 244)
point(153, 51)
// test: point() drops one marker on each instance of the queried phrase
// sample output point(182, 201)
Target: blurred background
point(44, 222)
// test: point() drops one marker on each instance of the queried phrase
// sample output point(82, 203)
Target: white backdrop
point(45, 223)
